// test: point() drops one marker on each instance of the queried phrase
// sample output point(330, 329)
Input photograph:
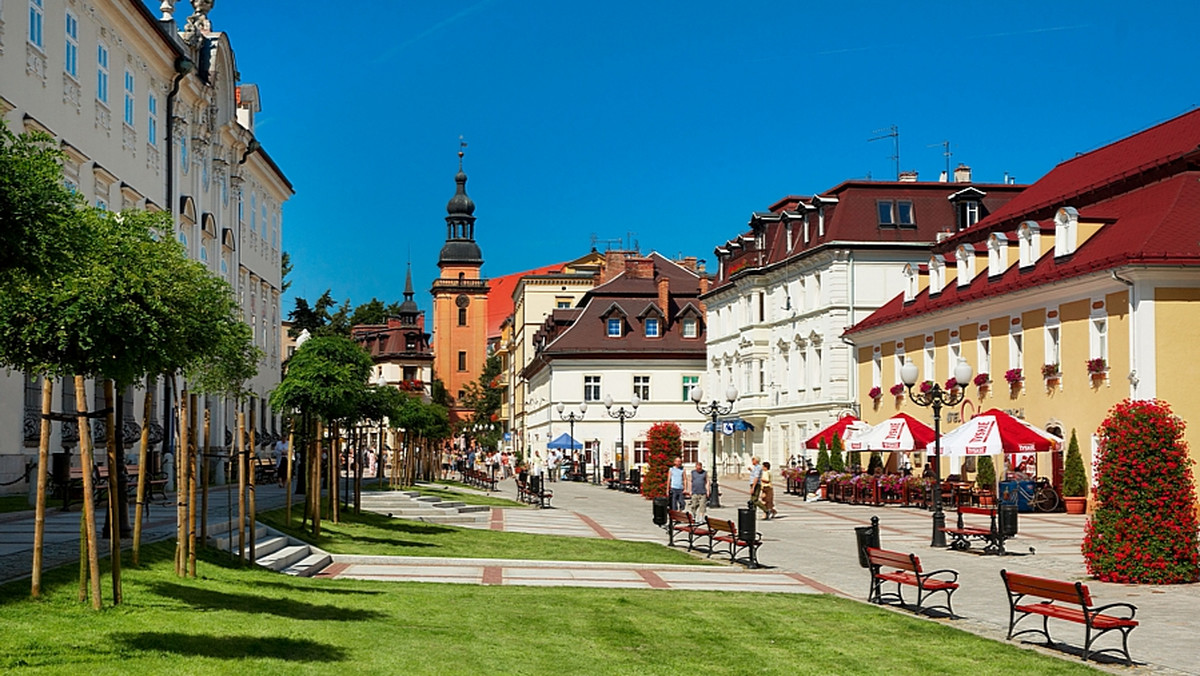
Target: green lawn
point(238, 621)
point(379, 535)
point(453, 495)
point(14, 503)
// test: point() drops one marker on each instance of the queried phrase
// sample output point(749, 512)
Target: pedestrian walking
point(698, 500)
point(767, 501)
point(755, 481)
point(675, 485)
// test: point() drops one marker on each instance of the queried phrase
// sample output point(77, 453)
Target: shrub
point(823, 464)
point(985, 474)
point(1144, 527)
point(663, 446)
point(836, 463)
point(876, 460)
point(1074, 478)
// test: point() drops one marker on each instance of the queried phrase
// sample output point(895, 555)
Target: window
point(71, 60)
point(591, 388)
point(970, 214)
point(877, 370)
point(462, 360)
point(152, 120)
point(183, 164)
point(36, 18)
point(1016, 349)
point(641, 387)
point(253, 212)
point(462, 316)
point(1099, 338)
point(1052, 344)
point(691, 452)
point(129, 98)
point(886, 217)
point(930, 366)
point(904, 212)
point(762, 375)
point(614, 327)
point(563, 302)
point(897, 213)
point(639, 452)
point(691, 327)
point(651, 327)
point(985, 354)
point(817, 371)
point(690, 383)
point(102, 74)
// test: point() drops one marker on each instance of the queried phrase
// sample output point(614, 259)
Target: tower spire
point(460, 246)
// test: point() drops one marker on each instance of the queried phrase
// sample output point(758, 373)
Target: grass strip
point(234, 620)
point(15, 503)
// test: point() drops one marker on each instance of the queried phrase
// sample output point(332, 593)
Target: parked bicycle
point(1043, 498)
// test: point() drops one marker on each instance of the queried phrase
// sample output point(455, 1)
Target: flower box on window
point(1013, 376)
point(1097, 366)
point(876, 392)
point(1050, 371)
point(897, 389)
point(982, 380)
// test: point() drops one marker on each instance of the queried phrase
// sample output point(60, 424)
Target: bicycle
point(1043, 498)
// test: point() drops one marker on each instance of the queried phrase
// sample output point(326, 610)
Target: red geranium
point(663, 445)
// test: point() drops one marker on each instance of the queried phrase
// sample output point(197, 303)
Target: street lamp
point(380, 382)
point(621, 414)
point(714, 410)
point(571, 417)
point(936, 398)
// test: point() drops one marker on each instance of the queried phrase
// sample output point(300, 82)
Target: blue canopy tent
point(730, 426)
point(564, 441)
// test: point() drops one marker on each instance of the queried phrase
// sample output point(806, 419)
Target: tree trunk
point(314, 488)
point(143, 470)
point(114, 492)
point(358, 474)
point(206, 472)
point(181, 505)
point(334, 451)
point(287, 514)
point(39, 518)
point(89, 506)
point(193, 476)
point(241, 470)
point(252, 521)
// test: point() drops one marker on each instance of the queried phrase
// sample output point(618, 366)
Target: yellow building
point(1080, 292)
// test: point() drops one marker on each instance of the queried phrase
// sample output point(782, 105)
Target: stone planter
point(1075, 505)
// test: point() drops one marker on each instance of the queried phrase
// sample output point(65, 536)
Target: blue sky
point(664, 122)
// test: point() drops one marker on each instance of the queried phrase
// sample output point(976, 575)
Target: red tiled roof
point(500, 295)
point(1152, 225)
point(1146, 153)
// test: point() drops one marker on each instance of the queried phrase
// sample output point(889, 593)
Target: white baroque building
point(149, 117)
point(807, 269)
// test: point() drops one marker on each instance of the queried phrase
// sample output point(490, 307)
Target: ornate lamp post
point(713, 410)
point(571, 417)
point(936, 398)
point(621, 414)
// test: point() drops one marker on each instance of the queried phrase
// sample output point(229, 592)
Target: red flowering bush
point(1143, 530)
point(662, 447)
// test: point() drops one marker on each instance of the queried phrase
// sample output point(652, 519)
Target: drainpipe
point(183, 66)
point(1133, 332)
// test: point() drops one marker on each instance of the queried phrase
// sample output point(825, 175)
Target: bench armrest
point(1102, 609)
point(942, 571)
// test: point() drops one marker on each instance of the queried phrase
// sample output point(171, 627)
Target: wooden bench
point(264, 470)
point(725, 531)
point(963, 534)
point(683, 522)
point(1070, 601)
point(906, 570)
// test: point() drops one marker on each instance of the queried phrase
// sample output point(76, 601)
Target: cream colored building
point(1083, 290)
point(149, 118)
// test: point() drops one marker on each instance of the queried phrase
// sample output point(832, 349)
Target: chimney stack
point(962, 174)
point(614, 264)
point(664, 296)
point(908, 177)
point(639, 268)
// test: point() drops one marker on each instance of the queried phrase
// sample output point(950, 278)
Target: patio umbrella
point(993, 432)
point(564, 441)
point(836, 429)
point(901, 432)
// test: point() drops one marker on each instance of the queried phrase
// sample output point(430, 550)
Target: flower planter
point(1075, 505)
point(824, 491)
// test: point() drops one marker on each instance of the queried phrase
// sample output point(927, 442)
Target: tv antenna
point(946, 152)
point(893, 132)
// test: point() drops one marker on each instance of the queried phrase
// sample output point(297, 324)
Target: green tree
point(285, 270)
point(484, 397)
point(663, 445)
point(1074, 477)
point(985, 474)
point(823, 464)
point(836, 462)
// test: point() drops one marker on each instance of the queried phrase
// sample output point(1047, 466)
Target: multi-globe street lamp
point(935, 397)
point(621, 414)
point(713, 411)
point(571, 417)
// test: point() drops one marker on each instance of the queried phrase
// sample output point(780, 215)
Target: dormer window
point(937, 275)
point(614, 327)
point(652, 330)
point(912, 284)
point(965, 260)
point(970, 214)
point(691, 327)
point(1029, 242)
point(1066, 231)
point(895, 213)
point(997, 254)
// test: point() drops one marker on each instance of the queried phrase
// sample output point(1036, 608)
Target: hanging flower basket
point(1050, 371)
point(897, 389)
point(875, 393)
point(1013, 376)
point(982, 381)
point(951, 384)
point(926, 385)
point(1097, 366)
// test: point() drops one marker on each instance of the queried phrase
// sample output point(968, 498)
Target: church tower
point(459, 301)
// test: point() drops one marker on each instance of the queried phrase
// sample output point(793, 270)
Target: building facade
point(1080, 292)
point(805, 271)
point(400, 348)
point(148, 117)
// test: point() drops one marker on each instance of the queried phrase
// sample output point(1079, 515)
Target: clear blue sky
point(669, 120)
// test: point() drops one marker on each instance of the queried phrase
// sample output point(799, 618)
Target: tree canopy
point(324, 377)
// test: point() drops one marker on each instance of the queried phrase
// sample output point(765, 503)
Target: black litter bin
point(747, 522)
point(867, 536)
point(1008, 520)
point(660, 511)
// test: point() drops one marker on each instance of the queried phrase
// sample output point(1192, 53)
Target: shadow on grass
point(231, 647)
point(316, 590)
point(206, 599)
point(392, 542)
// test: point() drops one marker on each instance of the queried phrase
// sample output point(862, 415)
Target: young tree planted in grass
point(1144, 528)
point(663, 445)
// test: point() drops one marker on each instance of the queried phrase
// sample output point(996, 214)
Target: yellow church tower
point(459, 301)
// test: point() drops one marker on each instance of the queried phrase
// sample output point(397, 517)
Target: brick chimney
point(639, 268)
point(664, 296)
point(614, 264)
point(689, 263)
point(908, 177)
point(962, 174)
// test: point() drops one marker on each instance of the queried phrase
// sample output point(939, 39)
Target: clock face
point(463, 300)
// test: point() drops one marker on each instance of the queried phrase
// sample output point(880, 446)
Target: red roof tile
point(500, 296)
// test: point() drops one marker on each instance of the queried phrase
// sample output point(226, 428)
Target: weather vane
point(461, 146)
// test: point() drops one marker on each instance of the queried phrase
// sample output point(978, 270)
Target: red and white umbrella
point(901, 432)
point(993, 432)
point(838, 428)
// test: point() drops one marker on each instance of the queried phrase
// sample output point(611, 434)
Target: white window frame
point(613, 327)
point(690, 327)
point(1098, 337)
point(818, 366)
point(71, 45)
point(102, 56)
point(1053, 331)
point(689, 383)
point(898, 363)
point(591, 388)
point(985, 353)
point(877, 369)
point(152, 120)
point(641, 387)
point(1016, 348)
point(37, 23)
point(953, 354)
point(130, 83)
point(652, 328)
point(930, 366)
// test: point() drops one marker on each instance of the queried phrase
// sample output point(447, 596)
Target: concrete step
point(265, 546)
point(449, 505)
point(310, 565)
point(284, 557)
point(466, 509)
point(427, 498)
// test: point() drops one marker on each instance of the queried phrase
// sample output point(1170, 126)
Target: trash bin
point(747, 522)
point(1008, 520)
point(660, 511)
point(866, 536)
point(535, 484)
point(1017, 492)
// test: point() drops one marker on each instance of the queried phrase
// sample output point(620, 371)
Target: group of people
point(689, 491)
point(498, 463)
point(556, 464)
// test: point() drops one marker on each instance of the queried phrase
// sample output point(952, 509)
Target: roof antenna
point(945, 151)
point(893, 132)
